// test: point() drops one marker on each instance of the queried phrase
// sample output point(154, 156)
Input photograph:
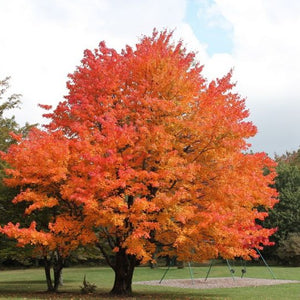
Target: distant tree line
point(286, 213)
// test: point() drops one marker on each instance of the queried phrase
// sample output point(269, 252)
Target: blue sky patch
point(208, 28)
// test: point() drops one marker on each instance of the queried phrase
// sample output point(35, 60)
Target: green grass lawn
point(30, 284)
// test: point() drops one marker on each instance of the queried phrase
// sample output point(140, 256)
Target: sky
point(41, 41)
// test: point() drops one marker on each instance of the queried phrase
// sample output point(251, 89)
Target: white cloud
point(266, 47)
point(266, 65)
point(43, 41)
point(212, 13)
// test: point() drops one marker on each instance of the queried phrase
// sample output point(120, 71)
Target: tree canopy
point(144, 155)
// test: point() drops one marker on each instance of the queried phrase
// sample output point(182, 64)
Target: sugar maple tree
point(144, 152)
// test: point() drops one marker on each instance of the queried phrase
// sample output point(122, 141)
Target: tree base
point(120, 292)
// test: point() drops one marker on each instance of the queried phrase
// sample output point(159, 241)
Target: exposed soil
point(212, 283)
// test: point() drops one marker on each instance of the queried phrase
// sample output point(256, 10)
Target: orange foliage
point(40, 167)
point(145, 152)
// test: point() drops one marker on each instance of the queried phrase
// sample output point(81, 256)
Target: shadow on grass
point(25, 282)
point(22, 282)
point(105, 295)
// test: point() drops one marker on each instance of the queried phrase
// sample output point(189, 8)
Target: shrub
point(289, 249)
point(88, 288)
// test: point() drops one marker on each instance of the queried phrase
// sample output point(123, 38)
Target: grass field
point(30, 284)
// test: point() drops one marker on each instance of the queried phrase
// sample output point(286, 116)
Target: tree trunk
point(47, 267)
point(57, 270)
point(56, 262)
point(124, 268)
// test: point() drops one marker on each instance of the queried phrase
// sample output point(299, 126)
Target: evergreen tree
point(286, 214)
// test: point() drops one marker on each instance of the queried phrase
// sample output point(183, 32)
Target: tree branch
point(106, 256)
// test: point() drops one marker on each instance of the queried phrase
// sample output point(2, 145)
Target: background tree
point(286, 214)
point(290, 158)
point(8, 211)
point(7, 124)
point(289, 249)
point(143, 151)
